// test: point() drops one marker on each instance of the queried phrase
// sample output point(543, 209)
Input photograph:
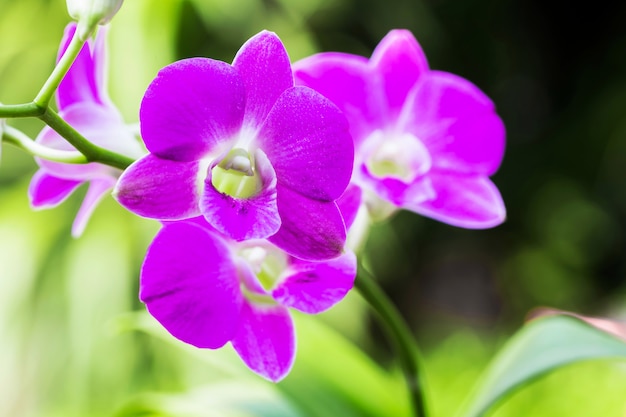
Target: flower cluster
point(244, 170)
point(254, 176)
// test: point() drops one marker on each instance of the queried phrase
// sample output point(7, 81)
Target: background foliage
point(73, 341)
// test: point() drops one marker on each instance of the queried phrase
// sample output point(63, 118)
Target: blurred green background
point(69, 344)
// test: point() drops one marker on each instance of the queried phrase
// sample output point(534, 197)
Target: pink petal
point(458, 124)
point(160, 189)
point(263, 64)
point(191, 107)
point(255, 217)
point(472, 202)
point(97, 189)
point(310, 229)
point(265, 340)
point(101, 125)
point(189, 284)
point(349, 204)
point(399, 62)
point(80, 84)
point(46, 191)
point(307, 140)
point(398, 192)
point(344, 80)
point(313, 287)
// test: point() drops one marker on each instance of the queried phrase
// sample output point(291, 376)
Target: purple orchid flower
point(241, 146)
point(425, 140)
point(207, 290)
point(83, 103)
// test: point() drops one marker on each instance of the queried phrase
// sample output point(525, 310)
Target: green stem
point(92, 152)
point(400, 334)
point(52, 83)
point(21, 110)
point(39, 105)
point(19, 139)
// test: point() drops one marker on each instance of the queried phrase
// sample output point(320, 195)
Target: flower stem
point(52, 83)
point(400, 335)
point(20, 110)
point(19, 139)
point(92, 152)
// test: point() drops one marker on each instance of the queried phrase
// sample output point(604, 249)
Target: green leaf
point(224, 399)
point(332, 371)
point(540, 347)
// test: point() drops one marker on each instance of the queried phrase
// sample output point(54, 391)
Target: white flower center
point(402, 156)
point(265, 261)
point(235, 175)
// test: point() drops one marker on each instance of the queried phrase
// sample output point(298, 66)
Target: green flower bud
point(93, 11)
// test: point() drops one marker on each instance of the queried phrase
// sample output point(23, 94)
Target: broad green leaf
point(540, 347)
point(224, 399)
point(333, 377)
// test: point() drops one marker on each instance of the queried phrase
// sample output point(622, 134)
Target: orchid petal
point(255, 217)
point(344, 80)
point(458, 124)
point(108, 132)
point(79, 84)
point(307, 140)
point(198, 301)
point(264, 65)
point(97, 190)
point(310, 229)
point(160, 189)
point(47, 191)
point(266, 340)
point(400, 62)
point(192, 107)
point(397, 191)
point(472, 202)
point(313, 287)
point(349, 204)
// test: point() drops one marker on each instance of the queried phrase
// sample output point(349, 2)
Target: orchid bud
point(93, 11)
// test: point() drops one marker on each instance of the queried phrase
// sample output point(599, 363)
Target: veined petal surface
point(264, 66)
point(461, 130)
point(310, 229)
point(307, 140)
point(189, 284)
point(46, 191)
point(345, 80)
point(468, 201)
point(266, 340)
point(313, 287)
point(399, 62)
point(349, 204)
point(191, 108)
point(81, 83)
point(160, 189)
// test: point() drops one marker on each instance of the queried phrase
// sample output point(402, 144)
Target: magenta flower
point(425, 140)
point(83, 103)
point(241, 146)
point(207, 290)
